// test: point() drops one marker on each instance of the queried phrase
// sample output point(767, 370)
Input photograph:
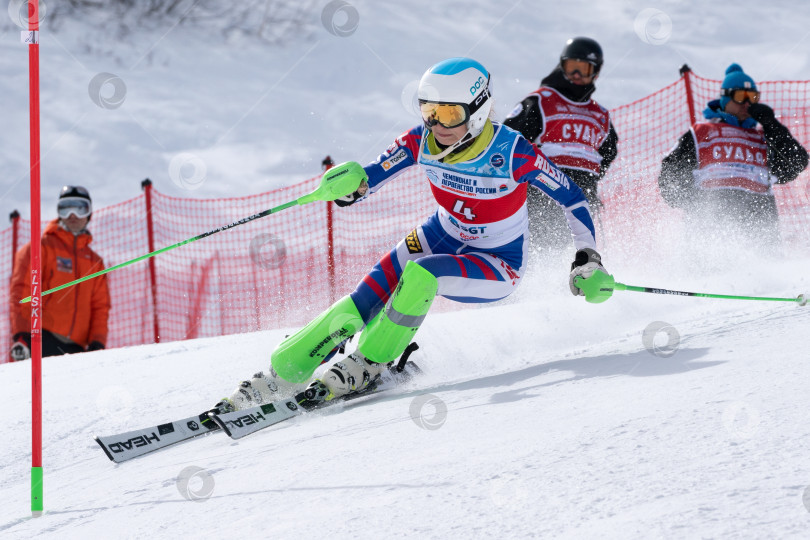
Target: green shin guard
point(387, 335)
point(298, 356)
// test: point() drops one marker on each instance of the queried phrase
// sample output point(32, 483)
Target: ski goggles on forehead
point(74, 205)
point(449, 115)
point(572, 65)
point(741, 95)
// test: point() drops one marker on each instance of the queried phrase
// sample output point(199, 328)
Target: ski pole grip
point(597, 288)
point(337, 182)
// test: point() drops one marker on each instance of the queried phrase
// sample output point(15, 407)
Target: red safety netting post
point(686, 73)
point(14, 217)
point(146, 185)
point(31, 38)
point(330, 236)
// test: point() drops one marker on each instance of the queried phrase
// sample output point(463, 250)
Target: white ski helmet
point(460, 81)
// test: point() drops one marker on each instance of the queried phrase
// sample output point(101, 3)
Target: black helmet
point(74, 191)
point(583, 48)
point(74, 200)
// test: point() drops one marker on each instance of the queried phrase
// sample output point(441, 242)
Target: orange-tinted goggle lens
point(572, 65)
point(741, 95)
point(449, 115)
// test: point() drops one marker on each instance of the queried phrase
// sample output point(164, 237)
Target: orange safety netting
point(282, 270)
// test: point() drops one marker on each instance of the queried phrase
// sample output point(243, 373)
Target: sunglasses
point(572, 65)
point(741, 95)
point(449, 115)
point(74, 205)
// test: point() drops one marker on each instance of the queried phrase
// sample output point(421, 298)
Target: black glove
point(586, 261)
point(761, 113)
point(21, 350)
point(351, 198)
point(95, 346)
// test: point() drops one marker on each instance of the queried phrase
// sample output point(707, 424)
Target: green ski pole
point(600, 286)
point(337, 182)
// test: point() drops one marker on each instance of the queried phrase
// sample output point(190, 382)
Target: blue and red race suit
point(476, 242)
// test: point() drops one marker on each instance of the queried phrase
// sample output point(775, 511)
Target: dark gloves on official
point(586, 261)
point(351, 198)
point(21, 350)
point(762, 113)
point(95, 346)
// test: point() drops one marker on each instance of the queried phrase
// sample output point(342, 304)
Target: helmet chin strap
point(464, 139)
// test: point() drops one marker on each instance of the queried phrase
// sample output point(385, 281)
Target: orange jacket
point(79, 312)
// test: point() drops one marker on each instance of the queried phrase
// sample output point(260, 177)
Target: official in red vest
point(722, 171)
point(571, 129)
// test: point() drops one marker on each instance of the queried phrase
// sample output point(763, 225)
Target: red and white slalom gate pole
point(31, 37)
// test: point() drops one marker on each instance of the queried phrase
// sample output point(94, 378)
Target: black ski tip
point(101, 444)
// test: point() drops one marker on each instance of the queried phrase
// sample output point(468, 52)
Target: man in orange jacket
point(73, 319)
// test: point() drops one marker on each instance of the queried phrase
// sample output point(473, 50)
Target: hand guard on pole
point(586, 262)
point(351, 198)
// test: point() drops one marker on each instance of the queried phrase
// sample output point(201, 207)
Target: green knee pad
point(298, 356)
point(387, 335)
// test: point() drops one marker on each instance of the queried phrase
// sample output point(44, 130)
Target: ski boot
point(315, 395)
point(351, 375)
point(259, 390)
point(340, 380)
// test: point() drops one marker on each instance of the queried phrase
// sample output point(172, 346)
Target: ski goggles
point(572, 65)
point(74, 205)
point(741, 95)
point(449, 115)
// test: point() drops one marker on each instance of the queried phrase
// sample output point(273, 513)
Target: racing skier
point(473, 248)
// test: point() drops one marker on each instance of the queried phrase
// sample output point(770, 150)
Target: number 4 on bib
point(466, 211)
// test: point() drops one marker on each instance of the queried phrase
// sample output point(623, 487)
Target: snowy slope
point(559, 423)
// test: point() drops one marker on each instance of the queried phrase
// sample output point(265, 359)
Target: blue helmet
point(460, 81)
